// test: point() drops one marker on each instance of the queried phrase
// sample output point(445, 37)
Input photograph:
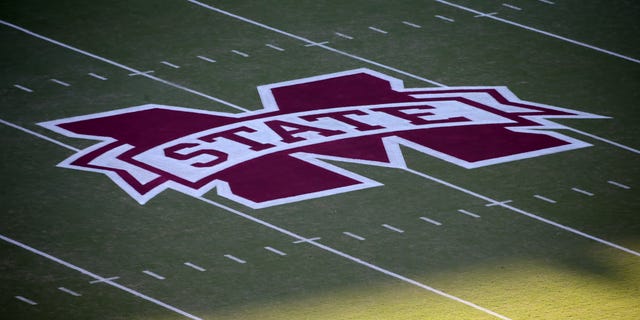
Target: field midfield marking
point(392, 228)
point(378, 30)
point(29, 301)
point(618, 184)
point(199, 268)
point(23, 88)
point(444, 18)
point(153, 274)
point(498, 203)
point(121, 66)
point(586, 193)
point(69, 291)
point(471, 214)
point(431, 221)
point(97, 76)
point(104, 280)
point(276, 251)
point(97, 277)
point(544, 198)
point(234, 258)
point(240, 53)
point(342, 35)
point(522, 212)
point(353, 235)
point(510, 6)
point(582, 44)
point(314, 44)
point(167, 63)
point(310, 240)
point(62, 83)
point(41, 136)
point(206, 59)
point(411, 24)
point(274, 47)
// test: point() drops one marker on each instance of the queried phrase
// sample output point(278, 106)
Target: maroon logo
point(276, 155)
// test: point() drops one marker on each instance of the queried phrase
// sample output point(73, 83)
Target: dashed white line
point(510, 6)
point(342, 35)
point(586, 193)
point(29, 301)
point(167, 63)
point(69, 291)
point(199, 268)
point(411, 24)
point(240, 53)
point(444, 18)
point(378, 30)
point(153, 274)
point(23, 88)
point(206, 59)
point(392, 228)
point(276, 251)
point(544, 198)
point(97, 76)
point(471, 214)
point(353, 235)
point(274, 47)
point(431, 221)
point(62, 83)
point(547, 1)
point(618, 184)
point(236, 259)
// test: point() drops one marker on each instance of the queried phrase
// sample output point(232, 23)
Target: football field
point(410, 159)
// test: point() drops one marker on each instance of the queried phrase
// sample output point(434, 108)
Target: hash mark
point(276, 251)
point(240, 53)
point(153, 274)
point(431, 221)
point(167, 63)
point(355, 236)
point(274, 47)
point(587, 193)
point(103, 280)
point(344, 35)
point(206, 59)
point(97, 76)
point(471, 214)
point(618, 184)
point(199, 268)
point(62, 83)
point(392, 228)
point(412, 24)
point(544, 198)
point(137, 73)
point(378, 30)
point(498, 203)
point(485, 14)
point(29, 301)
point(510, 6)
point(445, 18)
point(71, 292)
point(23, 88)
point(307, 240)
point(316, 44)
point(238, 260)
point(547, 1)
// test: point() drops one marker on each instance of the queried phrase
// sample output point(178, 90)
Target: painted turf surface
point(510, 264)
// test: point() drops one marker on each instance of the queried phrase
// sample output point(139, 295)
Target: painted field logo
point(275, 155)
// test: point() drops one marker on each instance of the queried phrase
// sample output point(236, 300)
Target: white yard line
point(69, 291)
point(276, 251)
point(121, 66)
point(618, 184)
point(549, 34)
point(97, 277)
point(613, 143)
point(431, 221)
point(537, 196)
point(41, 136)
point(353, 235)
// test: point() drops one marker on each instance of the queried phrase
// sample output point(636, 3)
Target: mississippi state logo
point(277, 155)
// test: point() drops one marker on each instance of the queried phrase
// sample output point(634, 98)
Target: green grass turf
point(503, 261)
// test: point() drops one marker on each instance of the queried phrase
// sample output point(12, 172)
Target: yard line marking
point(23, 88)
point(167, 63)
point(524, 213)
point(199, 268)
point(240, 53)
point(29, 301)
point(444, 18)
point(103, 280)
point(547, 1)
point(587, 193)
point(291, 35)
point(582, 44)
point(344, 35)
point(71, 292)
point(307, 240)
point(97, 76)
point(352, 258)
point(498, 203)
point(41, 136)
point(392, 228)
point(411, 24)
point(378, 30)
point(148, 72)
point(236, 259)
point(122, 66)
point(97, 277)
point(618, 184)
point(510, 6)
point(485, 14)
point(153, 274)
point(613, 143)
point(316, 44)
point(274, 47)
point(276, 251)
point(544, 198)
point(206, 59)
point(431, 221)
point(355, 236)
point(471, 214)
point(62, 83)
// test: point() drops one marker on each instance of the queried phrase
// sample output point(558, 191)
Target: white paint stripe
point(71, 292)
point(510, 6)
point(544, 198)
point(445, 18)
point(499, 203)
point(316, 44)
point(344, 35)
point(240, 53)
point(353, 235)
point(97, 277)
point(29, 301)
point(353, 259)
point(167, 63)
point(97, 76)
point(62, 83)
point(431, 221)
point(276, 251)
point(636, 151)
point(274, 47)
point(485, 14)
point(352, 56)
point(618, 184)
point(524, 213)
point(547, 1)
point(122, 66)
point(103, 280)
point(411, 24)
point(587, 193)
point(23, 88)
point(392, 228)
point(141, 73)
point(471, 214)
point(153, 274)
point(33, 133)
point(206, 59)
point(307, 240)
point(236, 259)
point(582, 44)
point(199, 268)
point(378, 30)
